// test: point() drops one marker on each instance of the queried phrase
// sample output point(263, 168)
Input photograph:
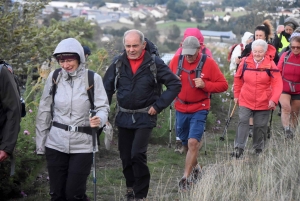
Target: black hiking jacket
point(137, 91)
point(10, 111)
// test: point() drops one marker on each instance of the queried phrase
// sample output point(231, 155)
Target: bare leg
point(191, 156)
point(285, 101)
point(295, 104)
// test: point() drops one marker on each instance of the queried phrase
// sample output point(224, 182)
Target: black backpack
point(90, 92)
point(22, 102)
point(152, 49)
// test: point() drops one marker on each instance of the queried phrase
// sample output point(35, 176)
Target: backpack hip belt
point(82, 129)
point(143, 110)
point(189, 103)
point(291, 84)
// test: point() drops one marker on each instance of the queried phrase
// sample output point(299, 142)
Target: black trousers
point(133, 144)
point(68, 174)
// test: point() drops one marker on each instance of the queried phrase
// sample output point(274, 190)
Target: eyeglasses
point(295, 47)
point(67, 61)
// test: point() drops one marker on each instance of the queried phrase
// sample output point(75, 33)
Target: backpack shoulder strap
point(200, 65)
point(180, 62)
point(54, 82)
point(204, 50)
point(118, 64)
point(286, 57)
point(90, 89)
point(244, 68)
point(153, 68)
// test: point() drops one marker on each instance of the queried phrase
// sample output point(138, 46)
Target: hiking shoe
point(196, 174)
point(178, 146)
point(184, 184)
point(288, 133)
point(250, 132)
point(238, 152)
point(129, 195)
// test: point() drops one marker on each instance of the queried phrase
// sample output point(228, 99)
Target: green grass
point(181, 25)
point(222, 13)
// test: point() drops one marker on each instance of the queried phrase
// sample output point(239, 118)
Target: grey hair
point(142, 37)
point(260, 42)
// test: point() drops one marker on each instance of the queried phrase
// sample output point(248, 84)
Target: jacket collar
point(78, 72)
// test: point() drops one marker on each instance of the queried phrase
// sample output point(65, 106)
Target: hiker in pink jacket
point(197, 33)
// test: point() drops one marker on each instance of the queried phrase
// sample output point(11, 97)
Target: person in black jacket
point(139, 102)
point(264, 32)
point(10, 113)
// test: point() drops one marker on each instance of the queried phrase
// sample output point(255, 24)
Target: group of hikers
point(65, 128)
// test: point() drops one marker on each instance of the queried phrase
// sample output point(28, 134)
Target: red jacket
point(256, 88)
point(290, 72)
point(215, 82)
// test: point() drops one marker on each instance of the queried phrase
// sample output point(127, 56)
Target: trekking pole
point(222, 138)
point(270, 126)
point(228, 115)
point(94, 133)
point(170, 130)
point(204, 142)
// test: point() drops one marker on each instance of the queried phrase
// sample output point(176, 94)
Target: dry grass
point(273, 175)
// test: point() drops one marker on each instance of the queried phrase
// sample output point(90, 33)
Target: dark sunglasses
point(295, 47)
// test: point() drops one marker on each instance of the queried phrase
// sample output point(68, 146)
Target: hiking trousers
point(260, 127)
point(133, 144)
point(68, 174)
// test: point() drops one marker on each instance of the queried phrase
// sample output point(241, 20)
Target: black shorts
point(293, 96)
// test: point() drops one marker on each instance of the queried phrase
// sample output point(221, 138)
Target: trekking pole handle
point(233, 110)
point(92, 113)
point(94, 130)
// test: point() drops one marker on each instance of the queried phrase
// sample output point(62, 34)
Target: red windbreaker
point(215, 82)
point(256, 88)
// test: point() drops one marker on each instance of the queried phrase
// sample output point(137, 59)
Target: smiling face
point(295, 47)
point(260, 35)
point(192, 58)
point(258, 53)
point(133, 45)
point(69, 65)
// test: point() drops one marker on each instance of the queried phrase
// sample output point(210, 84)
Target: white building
point(65, 4)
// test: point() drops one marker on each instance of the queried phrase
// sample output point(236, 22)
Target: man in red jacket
point(193, 102)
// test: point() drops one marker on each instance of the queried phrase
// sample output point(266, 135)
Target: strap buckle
point(72, 128)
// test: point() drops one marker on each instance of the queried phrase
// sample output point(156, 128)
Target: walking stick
point(170, 130)
point(204, 143)
point(270, 126)
point(94, 133)
point(222, 138)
